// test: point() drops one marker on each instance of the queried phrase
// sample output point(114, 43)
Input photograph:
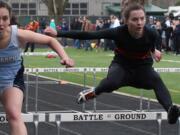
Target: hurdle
point(58, 118)
point(93, 70)
point(97, 116)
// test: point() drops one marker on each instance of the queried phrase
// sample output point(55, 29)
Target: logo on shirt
point(8, 59)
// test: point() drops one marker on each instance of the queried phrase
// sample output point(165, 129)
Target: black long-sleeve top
point(128, 50)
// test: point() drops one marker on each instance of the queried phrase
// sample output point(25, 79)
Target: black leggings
point(144, 77)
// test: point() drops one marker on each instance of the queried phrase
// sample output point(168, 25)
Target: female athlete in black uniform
point(132, 64)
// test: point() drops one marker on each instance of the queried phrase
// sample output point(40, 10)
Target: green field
point(102, 59)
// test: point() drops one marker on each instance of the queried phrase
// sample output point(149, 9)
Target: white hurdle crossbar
point(59, 117)
point(99, 117)
point(107, 116)
point(90, 69)
point(110, 116)
point(28, 117)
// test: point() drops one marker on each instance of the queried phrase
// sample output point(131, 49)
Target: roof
point(148, 8)
point(176, 13)
point(175, 10)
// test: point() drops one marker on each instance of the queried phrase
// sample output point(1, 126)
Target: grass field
point(102, 59)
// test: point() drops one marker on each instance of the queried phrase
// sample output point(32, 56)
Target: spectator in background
point(32, 26)
point(99, 26)
point(158, 27)
point(114, 23)
point(42, 24)
point(107, 42)
point(168, 32)
point(64, 28)
point(86, 26)
point(76, 25)
point(176, 35)
point(14, 21)
point(52, 24)
point(150, 22)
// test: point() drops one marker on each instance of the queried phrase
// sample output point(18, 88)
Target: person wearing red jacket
point(32, 26)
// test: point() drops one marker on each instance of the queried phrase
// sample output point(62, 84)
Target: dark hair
point(5, 5)
point(14, 20)
point(132, 7)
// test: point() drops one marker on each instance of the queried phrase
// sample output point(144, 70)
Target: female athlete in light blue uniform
point(11, 67)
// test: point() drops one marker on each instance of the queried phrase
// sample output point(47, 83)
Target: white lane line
point(65, 129)
point(172, 61)
point(60, 93)
point(133, 128)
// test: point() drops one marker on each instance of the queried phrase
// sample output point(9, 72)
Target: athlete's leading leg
point(153, 81)
point(12, 100)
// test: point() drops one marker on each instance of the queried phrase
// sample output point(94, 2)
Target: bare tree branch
point(55, 7)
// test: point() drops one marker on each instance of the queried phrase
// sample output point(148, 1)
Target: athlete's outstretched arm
point(102, 34)
point(29, 36)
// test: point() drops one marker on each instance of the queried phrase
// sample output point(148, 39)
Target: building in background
point(164, 3)
point(150, 8)
point(28, 7)
point(74, 7)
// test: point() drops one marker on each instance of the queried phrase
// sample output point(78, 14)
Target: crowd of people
point(168, 28)
point(169, 32)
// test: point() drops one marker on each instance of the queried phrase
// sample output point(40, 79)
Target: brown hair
point(132, 7)
point(5, 5)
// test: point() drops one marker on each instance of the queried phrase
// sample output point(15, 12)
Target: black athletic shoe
point(173, 114)
point(85, 96)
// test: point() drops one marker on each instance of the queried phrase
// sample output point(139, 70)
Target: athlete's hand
point(50, 32)
point(157, 55)
point(68, 62)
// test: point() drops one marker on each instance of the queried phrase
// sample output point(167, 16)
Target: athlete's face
point(136, 22)
point(4, 19)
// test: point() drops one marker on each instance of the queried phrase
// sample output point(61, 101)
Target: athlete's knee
point(13, 114)
point(156, 79)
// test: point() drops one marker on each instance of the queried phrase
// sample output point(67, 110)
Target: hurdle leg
point(27, 92)
point(36, 123)
point(149, 104)
point(159, 121)
point(141, 100)
point(94, 81)
point(179, 126)
point(36, 92)
point(58, 123)
point(85, 77)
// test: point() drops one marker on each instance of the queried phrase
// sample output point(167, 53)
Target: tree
point(177, 3)
point(55, 7)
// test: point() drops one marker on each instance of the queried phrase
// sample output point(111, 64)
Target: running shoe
point(173, 114)
point(85, 95)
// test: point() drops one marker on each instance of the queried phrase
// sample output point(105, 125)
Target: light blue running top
point(10, 60)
